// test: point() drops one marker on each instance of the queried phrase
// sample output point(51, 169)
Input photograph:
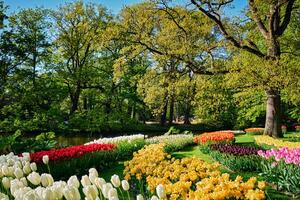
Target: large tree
point(271, 19)
point(80, 27)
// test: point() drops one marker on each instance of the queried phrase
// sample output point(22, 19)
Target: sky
point(113, 5)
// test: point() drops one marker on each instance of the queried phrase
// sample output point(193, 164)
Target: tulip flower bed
point(277, 143)
point(282, 167)
point(254, 131)
point(214, 137)
point(236, 157)
point(187, 178)
point(69, 153)
point(77, 159)
point(116, 140)
point(173, 142)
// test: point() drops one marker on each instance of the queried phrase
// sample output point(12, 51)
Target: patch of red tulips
point(70, 152)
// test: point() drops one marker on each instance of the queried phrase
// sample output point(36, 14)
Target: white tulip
point(112, 193)
point(10, 162)
point(4, 170)
point(139, 197)
point(30, 195)
point(24, 181)
point(26, 168)
point(73, 181)
point(18, 173)
point(71, 193)
point(125, 185)
point(93, 174)
point(3, 196)
point(91, 192)
point(160, 190)
point(33, 166)
point(6, 182)
point(105, 189)
point(46, 159)
point(115, 180)
point(99, 182)
point(47, 194)
point(34, 178)
point(46, 180)
point(26, 156)
point(39, 191)
point(154, 198)
point(85, 181)
point(15, 185)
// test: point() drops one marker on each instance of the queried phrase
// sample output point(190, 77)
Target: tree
point(271, 29)
point(79, 28)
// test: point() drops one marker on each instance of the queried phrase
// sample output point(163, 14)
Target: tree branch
point(287, 17)
point(257, 19)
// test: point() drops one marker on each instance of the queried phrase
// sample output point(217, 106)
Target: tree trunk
point(163, 117)
point(273, 108)
point(273, 114)
point(187, 113)
point(75, 99)
point(171, 114)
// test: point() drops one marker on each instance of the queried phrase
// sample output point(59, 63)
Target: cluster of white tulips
point(116, 140)
point(170, 138)
point(21, 181)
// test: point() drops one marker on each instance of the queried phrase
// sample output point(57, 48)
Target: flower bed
point(254, 131)
point(236, 157)
point(116, 140)
point(267, 140)
point(217, 136)
point(173, 142)
point(188, 178)
point(282, 167)
point(234, 149)
point(69, 153)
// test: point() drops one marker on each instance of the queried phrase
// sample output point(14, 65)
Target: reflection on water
point(73, 140)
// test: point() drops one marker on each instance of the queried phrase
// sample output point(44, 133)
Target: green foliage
point(237, 163)
point(285, 176)
point(7, 142)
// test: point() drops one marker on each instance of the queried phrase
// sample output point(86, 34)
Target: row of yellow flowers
point(188, 178)
point(263, 139)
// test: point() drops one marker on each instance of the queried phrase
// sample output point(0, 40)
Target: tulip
point(91, 192)
point(46, 159)
point(47, 194)
point(18, 173)
point(30, 195)
point(112, 193)
point(85, 181)
point(139, 197)
point(115, 180)
point(33, 166)
point(24, 181)
point(34, 178)
point(160, 190)
point(3, 196)
point(99, 182)
point(125, 185)
point(105, 189)
point(26, 156)
point(71, 193)
point(5, 170)
point(6, 182)
point(154, 198)
point(73, 181)
point(47, 180)
point(26, 168)
point(93, 174)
